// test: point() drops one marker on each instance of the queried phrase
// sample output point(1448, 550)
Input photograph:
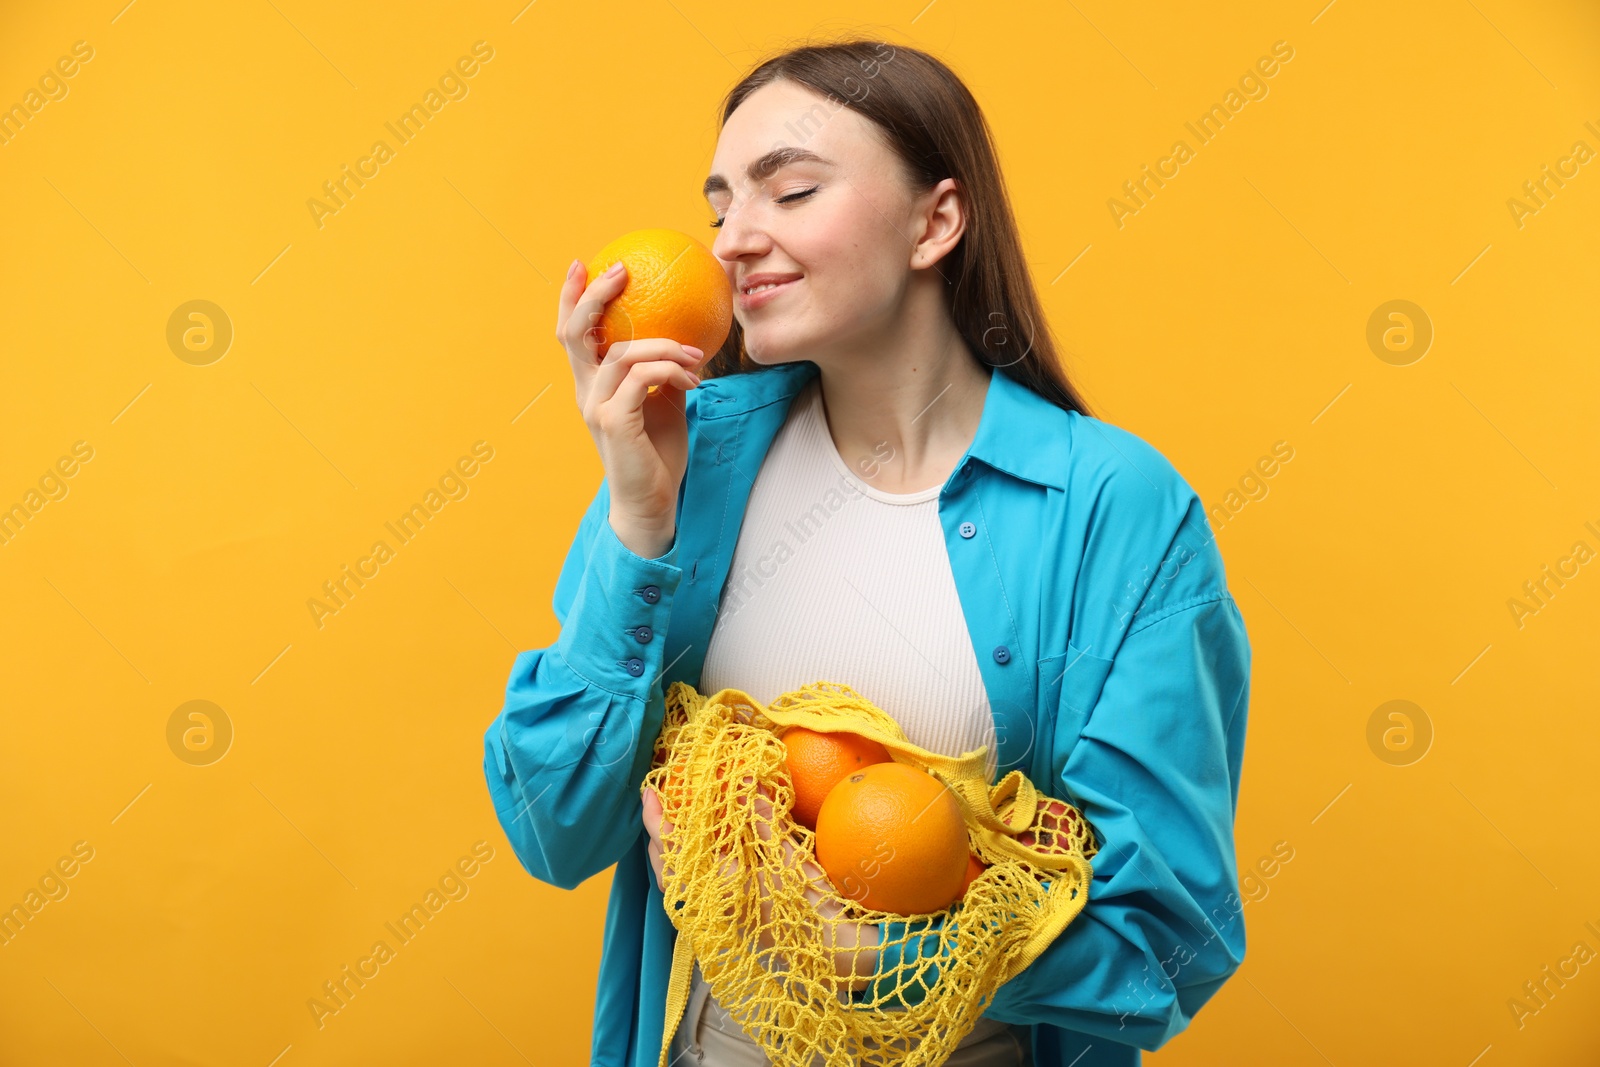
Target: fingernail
point(615, 269)
point(572, 271)
point(692, 350)
point(695, 376)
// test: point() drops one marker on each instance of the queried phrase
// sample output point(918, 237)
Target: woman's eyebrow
point(765, 167)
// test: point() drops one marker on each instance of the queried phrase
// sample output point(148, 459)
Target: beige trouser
point(709, 1037)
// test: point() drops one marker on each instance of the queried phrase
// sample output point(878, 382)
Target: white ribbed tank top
point(833, 579)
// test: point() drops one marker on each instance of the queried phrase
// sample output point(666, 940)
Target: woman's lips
point(751, 301)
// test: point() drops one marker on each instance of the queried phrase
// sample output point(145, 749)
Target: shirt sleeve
point(567, 754)
point(1156, 772)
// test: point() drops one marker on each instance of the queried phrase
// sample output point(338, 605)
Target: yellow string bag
point(717, 759)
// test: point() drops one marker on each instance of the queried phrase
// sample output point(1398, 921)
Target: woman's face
point(808, 192)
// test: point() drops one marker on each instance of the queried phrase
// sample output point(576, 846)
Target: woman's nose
point(738, 236)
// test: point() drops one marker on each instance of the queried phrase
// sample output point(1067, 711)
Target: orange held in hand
point(892, 838)
point(819, 761)
point(676, 289)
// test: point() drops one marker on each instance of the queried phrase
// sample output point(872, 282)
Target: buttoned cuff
point(614, 634)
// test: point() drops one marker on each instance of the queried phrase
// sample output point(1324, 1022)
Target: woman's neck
point(905, 416)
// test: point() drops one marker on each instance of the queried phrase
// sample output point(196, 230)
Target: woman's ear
point(944, 220)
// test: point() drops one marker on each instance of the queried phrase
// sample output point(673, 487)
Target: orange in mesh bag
point(769, 955)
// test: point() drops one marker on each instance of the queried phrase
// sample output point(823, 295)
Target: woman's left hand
point(654, 827)
point(853, 944)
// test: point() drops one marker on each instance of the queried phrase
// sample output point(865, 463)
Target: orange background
point(370, 354)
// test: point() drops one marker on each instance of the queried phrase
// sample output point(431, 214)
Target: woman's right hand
point(642, 436)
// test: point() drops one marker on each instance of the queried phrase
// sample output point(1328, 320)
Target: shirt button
point(1002, 654)
point(651, 593)
point(642, 634)
point(967, 529)
point(635, 666)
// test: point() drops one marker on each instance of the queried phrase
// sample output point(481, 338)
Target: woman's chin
point(765, 354)
point(770, 351)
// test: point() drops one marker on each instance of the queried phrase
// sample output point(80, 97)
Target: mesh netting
point(742, 888)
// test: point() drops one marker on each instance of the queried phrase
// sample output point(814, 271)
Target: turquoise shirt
point(1117, 669)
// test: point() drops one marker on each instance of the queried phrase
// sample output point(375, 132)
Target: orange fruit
point(818, 762)
point(892, 838)
point(676, 289)
point(674, 788)
point(975, 867)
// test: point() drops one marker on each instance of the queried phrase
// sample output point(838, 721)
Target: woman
point(885, 480)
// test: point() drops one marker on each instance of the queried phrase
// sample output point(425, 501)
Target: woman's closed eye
point(782, 200)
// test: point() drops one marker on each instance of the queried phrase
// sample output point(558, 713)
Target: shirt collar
point(1020, 432)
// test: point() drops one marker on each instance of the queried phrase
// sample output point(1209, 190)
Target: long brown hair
point(933, 123)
